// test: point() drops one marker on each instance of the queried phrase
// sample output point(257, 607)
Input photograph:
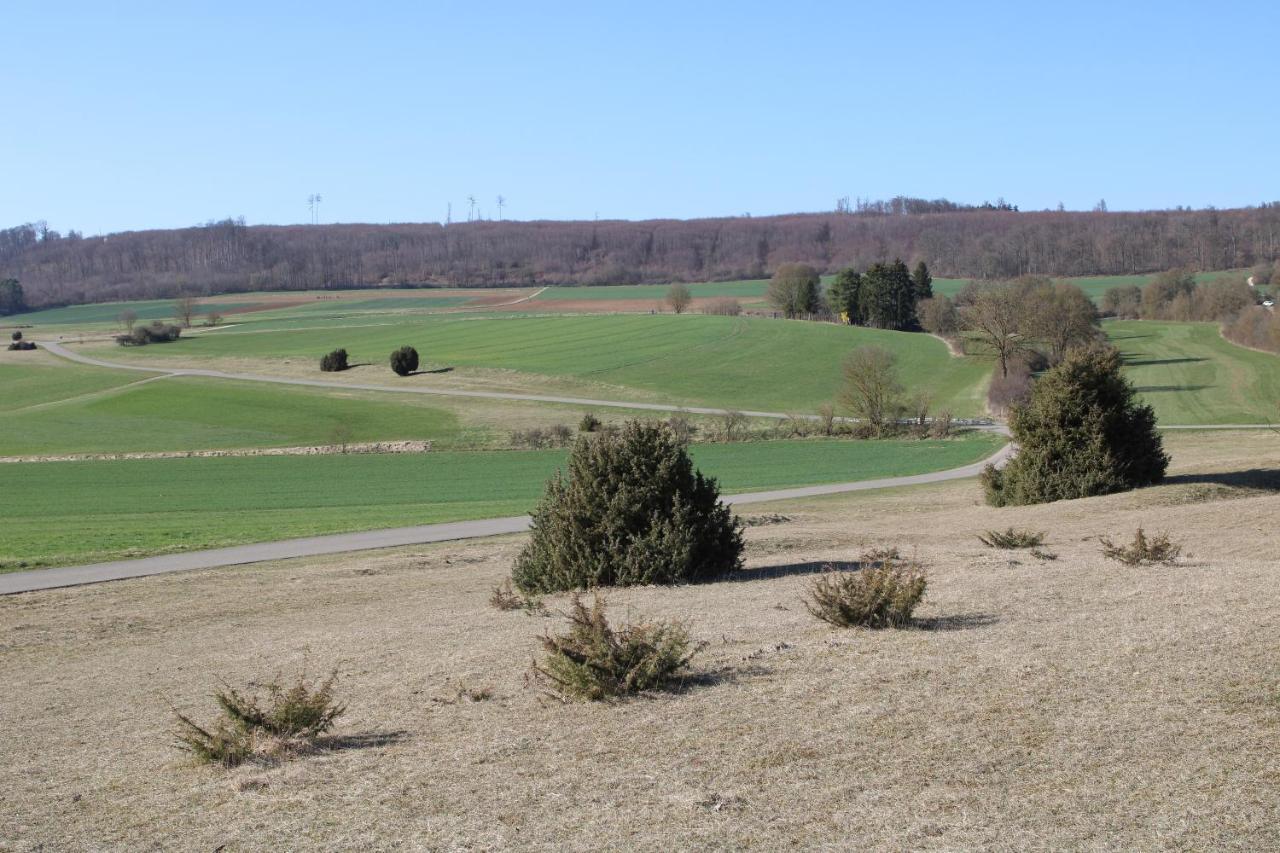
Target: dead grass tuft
point(597, 662)
point(1012, 538)
point(505, 597)
point(1142, 551)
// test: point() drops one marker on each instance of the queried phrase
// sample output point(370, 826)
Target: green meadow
point(1191, 375)
point(735, 362)
point(190, 413)
point(77, 512)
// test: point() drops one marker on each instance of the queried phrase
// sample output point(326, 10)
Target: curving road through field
point(30, 581)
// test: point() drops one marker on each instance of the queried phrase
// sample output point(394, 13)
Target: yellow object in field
point(844, 317)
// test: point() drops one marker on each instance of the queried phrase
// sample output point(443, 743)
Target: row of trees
point(884, 296)
point(229, 256)
point(1175, 295)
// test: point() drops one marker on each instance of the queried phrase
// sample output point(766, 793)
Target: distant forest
point(986, 241)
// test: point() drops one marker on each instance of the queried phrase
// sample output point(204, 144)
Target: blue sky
point(166, 114)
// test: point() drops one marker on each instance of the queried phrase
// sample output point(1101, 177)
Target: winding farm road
point(338, 543)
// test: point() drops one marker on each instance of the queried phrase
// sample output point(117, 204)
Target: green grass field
point(747, 363)
point(187, 413)
point(75, 512)
point(1191, 375)
point(747, 290)
point(1094, 286)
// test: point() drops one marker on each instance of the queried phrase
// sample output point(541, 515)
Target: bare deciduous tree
point(871, 390)
point(997, 317)
point(679, 297)
point(184, 308)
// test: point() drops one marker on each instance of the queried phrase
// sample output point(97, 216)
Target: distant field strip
point(189, 413)
point(78, 512)
point(746, 363)
point(1191, 375)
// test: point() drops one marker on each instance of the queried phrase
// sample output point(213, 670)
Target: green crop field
point(35, 379)
point(1191, 375)
point(748, 289)
point(187, 413)
point(75, 512)
point(747, 363)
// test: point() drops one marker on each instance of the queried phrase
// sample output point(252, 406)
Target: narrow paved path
point(15, 582)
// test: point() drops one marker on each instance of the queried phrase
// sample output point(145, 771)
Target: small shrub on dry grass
point(876, 596)
point(1012, 538)
point(589, 423)
point(1142, 551)
point(289, 719)
point(505, 597)
point(596, 662)
point(1041, 554)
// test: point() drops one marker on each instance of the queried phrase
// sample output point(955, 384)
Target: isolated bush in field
point(1011, 538)
point(334, 361)
point(595, 661)
point(875, 596)
point(679, 297)
point(730, 426)
point(212, 318)
point(1142, 551)
point(1010, 389)
point(589, 423)
point(827, 419)
point(682, 428)
point(155, 333)
point(16, 336)
point(724, 307)
point(561, 434)
point(1081, 434)
point(632, 510)
point(289, 718)
point(404, 361)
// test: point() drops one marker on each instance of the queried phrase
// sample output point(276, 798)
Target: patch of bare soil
point(1071, 703)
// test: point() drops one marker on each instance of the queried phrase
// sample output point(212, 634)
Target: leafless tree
point(871, 390)
point(679, 297)
point(184, 308)
point(998, 318)
point(127, 318)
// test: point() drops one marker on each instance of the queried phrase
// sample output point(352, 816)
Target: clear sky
point(129, 115)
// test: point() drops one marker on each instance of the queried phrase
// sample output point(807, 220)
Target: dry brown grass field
point(1072, 703)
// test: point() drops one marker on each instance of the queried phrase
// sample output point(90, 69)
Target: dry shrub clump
point(875, 596)
point(505, 597)
point(1142, 551)
point(596, 662)
point(1012, 538)
point(290, 720)
point(724, 307)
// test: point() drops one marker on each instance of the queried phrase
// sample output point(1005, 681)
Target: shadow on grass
point(959, 622)
point(786, 570)
point(363, 740)
point(1155, 389)
point(1145, 362)
point(1267, 479)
